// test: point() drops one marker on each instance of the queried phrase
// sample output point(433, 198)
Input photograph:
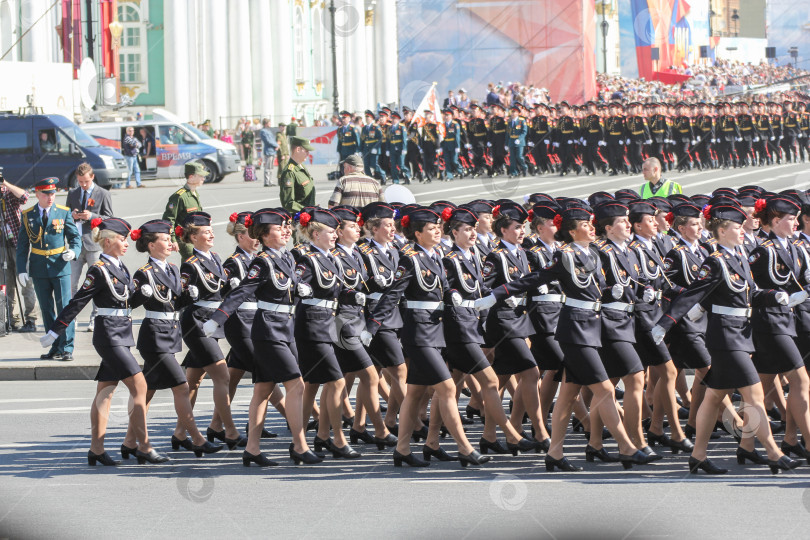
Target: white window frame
point(298, 43)
point(141, 50)
point(318, 56)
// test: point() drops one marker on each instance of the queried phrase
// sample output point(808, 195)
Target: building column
point(176, 73)
point(239, 61)
point(282, 47)
point(386, 60)
point(39, 45)
point(357, 98)
point(370, 68)
point(262, 29)
point(216, 62)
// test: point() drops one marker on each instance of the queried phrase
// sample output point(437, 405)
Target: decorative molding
point(319, 87)
point(370, 17)
point(299, 86)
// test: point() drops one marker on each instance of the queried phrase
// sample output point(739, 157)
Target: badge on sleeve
point(254, 271)
point(704, 272)
point(184, 278)
point(88, 282)
point(753, 258)
point(667, 263)
point(489, 268)
point(399, 273)
point(299, 270)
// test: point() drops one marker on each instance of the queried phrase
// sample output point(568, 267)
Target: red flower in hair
point(248, 221)
point(360, 221)
point(405, 221)
point(178, 231)
point(95, 222)
point(446, 213)
point(760, 205)
point(670, 217)
point(557, 220)
point(304, 218)
point(135, 234)
point(531, 215)
point(233, 217)
point(496, 211)
point(707, 211)
point(593, 219)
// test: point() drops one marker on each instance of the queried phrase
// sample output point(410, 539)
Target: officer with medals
point(517, 131)
point(49, 241)
point(184, 201)
point(348, 140)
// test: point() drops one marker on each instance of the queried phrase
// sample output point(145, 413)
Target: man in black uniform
point(615, 135)
point(790, 132)
point(638, 134)
point(684, 137)
point(775, 143)
point(660, 134)
point(566, 133)
point(496, 140)
point(727, 133)
point(477, 133)
point(540, 138)
point(747, 133)
point(593, 136)
point(763, 134)
point(430, 141)
point(413, 156)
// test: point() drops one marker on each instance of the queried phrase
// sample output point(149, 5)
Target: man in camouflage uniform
point(184, 201)
point(296, 184)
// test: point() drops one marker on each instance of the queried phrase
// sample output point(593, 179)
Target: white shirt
point(431, 253)
point(160, 264)
point(511, 247)
point(113, 260)
point(381, 247)
point(784, 242)
point(205, 255)
point(647, 243)
point(348, 249)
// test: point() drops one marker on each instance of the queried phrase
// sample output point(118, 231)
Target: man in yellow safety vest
point(655, 186)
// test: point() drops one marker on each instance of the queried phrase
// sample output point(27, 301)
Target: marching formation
point(549, 303)
point(608, 137)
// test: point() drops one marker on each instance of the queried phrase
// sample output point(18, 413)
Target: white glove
point(797, 298)
point(68, 255)
point(773, 138)
point(616, 291)
point(193, 292)
point(570, 141)
point(23, 279)
point(756, 139)
point(304, 290)
point(234, 282)
point(714, 140)
point(699, 137)
point(542, 289)
point(439, 152)
point(545, 141)
point(146, 290)
point(584, 142)
point(489, 145)
point(485, 303)
point(648, 141)
point(455, 298)
point(366, 337)
point(739, 139)
point(696, 313)
point(530, 143)
point(506, 148)
point(373, 150)
point(694, 141)
point(781, 137)
point(782, 298)
point(379, 280)
point(458, 150)
point(209, 327)
point(556, 145)
point(658, 334)
point(602, 143)
point(468, 146)
point(360, 299)
point(387, 153)
point(48, 339)
point(511, 302)
point(648, 296)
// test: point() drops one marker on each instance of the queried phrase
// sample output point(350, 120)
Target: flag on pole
point(429, 103)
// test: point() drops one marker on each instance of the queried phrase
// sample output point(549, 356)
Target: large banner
point(469, 43)
point(676, 28)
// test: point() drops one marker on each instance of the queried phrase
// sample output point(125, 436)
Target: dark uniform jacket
point(383, 267)
point(501, 267)
point(159, 335)
point(464, 324)
point(207, 274)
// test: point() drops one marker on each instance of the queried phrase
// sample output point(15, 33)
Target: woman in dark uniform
point(578, 270)
point(202, 276)
point(108, 284)
point(381, 258)
point(321, 289)
point(778, 264)
point(464, 337)
point(420, 287)
point(725, 287)
point(352, 356)
point(157, 289)
point(272, 281)
point(508, 325)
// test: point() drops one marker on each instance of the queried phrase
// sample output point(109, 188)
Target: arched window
point(132, 53)
point(298, 44)
point(317, 45)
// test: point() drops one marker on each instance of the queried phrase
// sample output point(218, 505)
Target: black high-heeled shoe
point(410, 460)
point(438, 453)
point(393, 429)
point(796, 449)
point(636, 458)
point(496, 447)
point(576, 425)
point(784, 463)
point(562, 464)
point(186, 444)
point(655, 438)
point(152, 457)
point(239, 441)
point(205, 448)
point(103, 458)
point(321, 444)
point(388, 441)
point(472, 412)
point(691, 432)
point(312, 425)
point(523, 445)
point(592, 453)
point(541, 446)
point(259, 459)
point(364, 436)
point(473, 458)
point(753, 456)
point(651, 454)
point(345, 452)
point(777, 427)
point(705, 465)
point(265, 434)
point(684, 445)
point(307, 458)
point(347, 422)
point(420, 434)
point(126, 451)
point(211, 435)
point(466, 421)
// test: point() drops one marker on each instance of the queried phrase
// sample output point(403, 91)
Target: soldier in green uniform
point(296, 184)
point(49, 240)
point(283, 148)
point(184, 201)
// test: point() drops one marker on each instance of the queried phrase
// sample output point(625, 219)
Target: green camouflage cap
point(302, 142)
point(195, 167)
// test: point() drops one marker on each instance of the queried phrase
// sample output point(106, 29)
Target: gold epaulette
point(497, 250)
point(180, 191)
point(716, 254)
point(263, 254)
point(28, 209)
point(767, 243)
point(192, 259)
point(679, 247)
point(145, 267)
point(452, 255)
point(62, 207)
point(99, 262)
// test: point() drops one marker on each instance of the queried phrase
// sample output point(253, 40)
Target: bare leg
point(408, 416)
point(100, 414)
point(218, 372)
point(235, 375)
point(397, 394)
point(136, 384)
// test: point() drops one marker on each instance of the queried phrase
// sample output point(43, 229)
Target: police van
point(167, 144)
point(36, 146)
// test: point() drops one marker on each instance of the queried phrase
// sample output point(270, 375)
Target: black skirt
point(512, 356)
point(202, 352)
point(241, 354)
point(117, 364)
point(275, 361)
point(730, 369)
point(620, 358)
point(650, 353)
point(427, 367)
point(385, 349)
point(318, 362)
point(582, 364)
point(162, 370)
point(547, 352)
point(776, 353)
point(689, 351)
point(466, 357)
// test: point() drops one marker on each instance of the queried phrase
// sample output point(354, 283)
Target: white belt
point(374, 296)
point(281, 308)
point(329, 304)
point(248, 306)
point(659, 294)
point(207, 304)
point(581, 304)
point(520, 301)
point(430, 306)
point(619, 306)
point(467, 304)
point(111, 312)
point(733, 311)
point(549, 298)
point(163, 316)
